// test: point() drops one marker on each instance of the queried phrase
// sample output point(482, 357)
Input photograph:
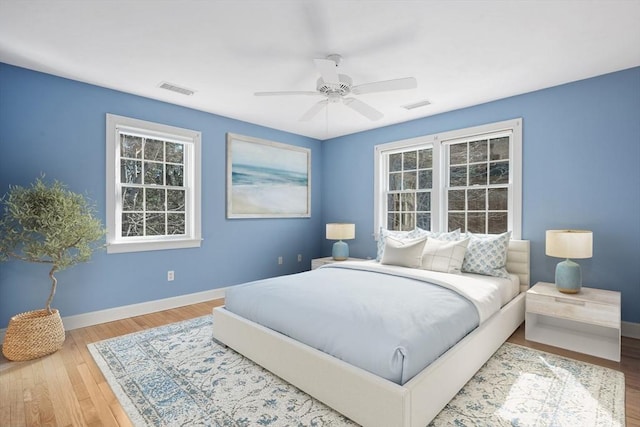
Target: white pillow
point(413, 234)
point(405, 252)
point(398, 235)
point(444, 256)
point(487, 254)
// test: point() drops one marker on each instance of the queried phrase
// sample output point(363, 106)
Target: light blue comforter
point(389, 325)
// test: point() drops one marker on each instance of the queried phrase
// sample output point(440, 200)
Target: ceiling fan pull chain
point(327, 120)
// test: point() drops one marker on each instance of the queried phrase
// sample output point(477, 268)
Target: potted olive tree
point(44, 223)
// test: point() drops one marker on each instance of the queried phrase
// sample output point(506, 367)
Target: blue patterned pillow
point(487, 254)
point(448, 236)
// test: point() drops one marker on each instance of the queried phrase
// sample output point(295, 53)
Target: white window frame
point(438, 143)
point(191, 140)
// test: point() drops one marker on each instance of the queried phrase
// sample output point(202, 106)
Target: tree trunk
point(54, 283)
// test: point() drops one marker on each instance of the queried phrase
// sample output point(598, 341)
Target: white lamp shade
point(574, 244)
point(341, 231)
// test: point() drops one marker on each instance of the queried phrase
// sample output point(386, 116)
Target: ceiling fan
point(336, 88)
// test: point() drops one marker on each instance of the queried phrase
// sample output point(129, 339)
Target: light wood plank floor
point(67, 388)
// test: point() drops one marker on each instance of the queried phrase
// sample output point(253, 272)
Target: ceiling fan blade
point(366, 110)
point(395, 84)
point(315, 109)
point(287, 92)
point(328, 70)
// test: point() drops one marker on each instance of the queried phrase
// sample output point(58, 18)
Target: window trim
point(437, 143)
point(192, 141)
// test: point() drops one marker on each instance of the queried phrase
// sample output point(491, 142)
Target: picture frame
point(267, 179)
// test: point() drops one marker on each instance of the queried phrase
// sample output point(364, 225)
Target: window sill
point(124, 247)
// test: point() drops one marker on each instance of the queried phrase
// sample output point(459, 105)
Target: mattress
point(388, 320)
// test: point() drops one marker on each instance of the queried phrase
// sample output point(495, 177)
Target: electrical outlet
point(280, 260)
point(299, 257)
point(170, 276)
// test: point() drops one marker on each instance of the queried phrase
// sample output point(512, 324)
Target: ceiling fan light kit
point(342, 87)
point(335, 87)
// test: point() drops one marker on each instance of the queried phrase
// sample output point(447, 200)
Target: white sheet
point(485, 292)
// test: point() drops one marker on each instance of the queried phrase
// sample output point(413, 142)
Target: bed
point(363, 396)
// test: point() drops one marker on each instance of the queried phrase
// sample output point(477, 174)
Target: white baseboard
point(123, 312)
point(631, 330)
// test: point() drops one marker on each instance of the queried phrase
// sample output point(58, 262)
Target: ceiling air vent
point(416, 105)
point(174, 88)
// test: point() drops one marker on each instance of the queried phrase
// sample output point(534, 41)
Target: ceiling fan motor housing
point(334, 91)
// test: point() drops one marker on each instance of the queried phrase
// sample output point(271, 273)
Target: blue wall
point(581, 169)
point(57, 126)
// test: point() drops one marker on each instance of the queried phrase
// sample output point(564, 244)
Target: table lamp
point(568, 244)
point(340, 232)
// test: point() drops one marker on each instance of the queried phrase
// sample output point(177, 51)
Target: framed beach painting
point(267, 179)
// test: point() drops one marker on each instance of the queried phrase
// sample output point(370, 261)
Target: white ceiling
point(462, 53)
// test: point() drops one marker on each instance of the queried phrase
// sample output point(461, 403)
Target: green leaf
point(47, 223)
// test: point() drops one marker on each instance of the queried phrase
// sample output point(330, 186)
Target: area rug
point(177, 375)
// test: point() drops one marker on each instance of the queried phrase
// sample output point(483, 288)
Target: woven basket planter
point(33, 334)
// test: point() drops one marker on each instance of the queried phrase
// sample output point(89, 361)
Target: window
point(468, 179)
point(477, 189)
point(408, 196)
point(153, 186)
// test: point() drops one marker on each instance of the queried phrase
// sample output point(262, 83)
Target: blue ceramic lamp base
point(340, 251)
point(568, 277)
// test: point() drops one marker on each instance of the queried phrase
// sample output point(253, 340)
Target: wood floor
point(67, 388)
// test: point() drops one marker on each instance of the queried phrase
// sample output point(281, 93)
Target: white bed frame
point(362, 396)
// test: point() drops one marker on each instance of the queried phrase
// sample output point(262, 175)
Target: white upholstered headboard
point(518, 261)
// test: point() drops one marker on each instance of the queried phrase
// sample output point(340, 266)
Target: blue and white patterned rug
point(176, 375)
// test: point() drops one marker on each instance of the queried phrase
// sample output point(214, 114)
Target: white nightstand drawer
point(575, 309)
point(588, 322)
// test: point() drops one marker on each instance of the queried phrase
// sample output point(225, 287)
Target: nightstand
point(317, 262)
point(587, 322)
